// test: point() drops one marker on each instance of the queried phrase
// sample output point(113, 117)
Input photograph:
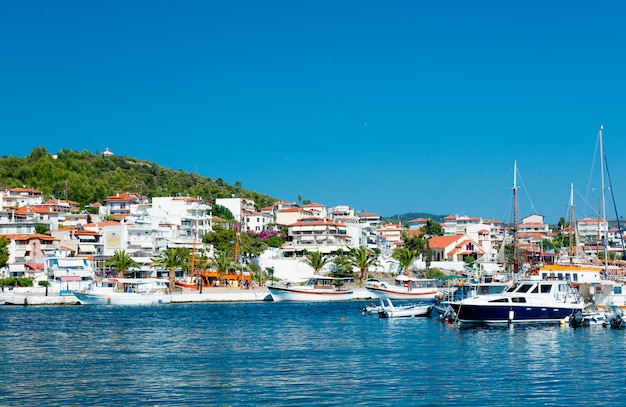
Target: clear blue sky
point(389, 107)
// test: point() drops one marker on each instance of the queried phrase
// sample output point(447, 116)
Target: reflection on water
point(295, 354)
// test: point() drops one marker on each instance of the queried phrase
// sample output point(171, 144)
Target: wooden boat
point(389, 310)
point(316, 289)
point(404, 288)
point(126, 291)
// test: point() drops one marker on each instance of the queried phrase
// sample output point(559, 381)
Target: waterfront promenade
point(213, 294)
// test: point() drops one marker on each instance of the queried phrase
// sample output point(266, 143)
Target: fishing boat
point(389, 310)
point(531, 300)
point(404, 288)
point(126, 291)
point(316, 289)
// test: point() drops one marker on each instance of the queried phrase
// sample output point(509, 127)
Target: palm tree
point(362, 259)
point(172, 259)
point(223, 261)
point(316, 260)
point(121, 261)
point(405, 257)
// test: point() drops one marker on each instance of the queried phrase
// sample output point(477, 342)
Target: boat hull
point(91, 298)
point(407, 312)
point(512, 313)
point(284, 294)
point(390, 293)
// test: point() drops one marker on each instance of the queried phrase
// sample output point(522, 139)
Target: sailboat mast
point(571, 223)
point(515, 265)
point(604, 221)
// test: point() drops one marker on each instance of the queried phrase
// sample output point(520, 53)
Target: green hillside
point(86, 178)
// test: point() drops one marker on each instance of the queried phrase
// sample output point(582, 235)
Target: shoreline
point(212, 294)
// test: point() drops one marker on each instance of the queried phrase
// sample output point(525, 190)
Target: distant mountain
point(87, 178)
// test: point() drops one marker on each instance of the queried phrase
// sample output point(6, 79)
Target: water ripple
point(295, 354)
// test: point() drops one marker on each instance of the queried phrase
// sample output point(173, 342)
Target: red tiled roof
point(441, 242)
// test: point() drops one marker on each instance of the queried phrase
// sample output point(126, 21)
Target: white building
point(237, 206)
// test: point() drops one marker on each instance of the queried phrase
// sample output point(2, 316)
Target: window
point(545, 288)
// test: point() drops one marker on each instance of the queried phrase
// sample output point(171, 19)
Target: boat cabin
point(328, 283)
point(413, 283)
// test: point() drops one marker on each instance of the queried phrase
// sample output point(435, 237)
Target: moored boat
point(389, 310)
point(582, 318)
point(404, 288)
point(531, 300)
point(126, 291)
point(316, 289)
point(468, 289)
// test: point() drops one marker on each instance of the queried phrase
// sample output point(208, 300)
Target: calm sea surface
point(277, 354)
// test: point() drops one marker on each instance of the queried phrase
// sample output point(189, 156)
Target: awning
point(146, 245)
point(71, 278)
point(69, 262)
point(87, 238)
point(20, 253)
point(35, 266)
point(75, 273)
point(142, 260)
point(16, 267)
point(87, 248)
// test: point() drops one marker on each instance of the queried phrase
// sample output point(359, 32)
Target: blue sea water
point(282, 354)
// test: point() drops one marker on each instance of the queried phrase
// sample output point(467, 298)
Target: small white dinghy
point(389, 310)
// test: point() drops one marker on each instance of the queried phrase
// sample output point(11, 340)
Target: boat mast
point(571, 224)
point(604, 221)
point(515, 265)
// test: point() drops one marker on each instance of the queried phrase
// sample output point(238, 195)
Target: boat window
point(617, 289)
point(567, 276)
point(500, 300)
point(510, 289)
point(535, 290)
point(545, 288)
point(518, 299)
point(560, 276)
point(524, 288)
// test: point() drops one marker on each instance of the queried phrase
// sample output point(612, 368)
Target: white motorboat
point(468, 289)
point(404, 288)
point(126, 291)
point(581, 318)
point(533, 300)
point(316, 289)
point(389, 310)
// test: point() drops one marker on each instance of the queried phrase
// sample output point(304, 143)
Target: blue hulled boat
point(532, 300)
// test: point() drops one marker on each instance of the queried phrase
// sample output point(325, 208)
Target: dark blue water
point(231, 354)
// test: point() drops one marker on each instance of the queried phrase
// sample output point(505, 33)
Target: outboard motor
point(577, 318)
point(617, 319)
